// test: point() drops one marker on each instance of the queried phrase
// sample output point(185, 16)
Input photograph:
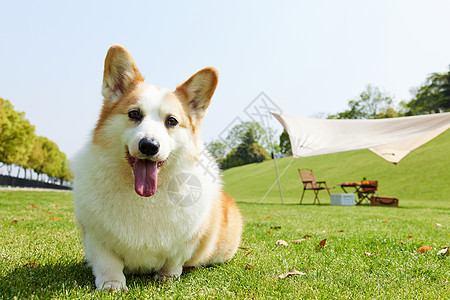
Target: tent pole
point(273, 157)
point(278, 177)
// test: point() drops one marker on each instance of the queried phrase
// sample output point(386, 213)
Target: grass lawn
point(42, 255)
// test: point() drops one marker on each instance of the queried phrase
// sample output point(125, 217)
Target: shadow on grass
point(51, 281)
point(44, 281)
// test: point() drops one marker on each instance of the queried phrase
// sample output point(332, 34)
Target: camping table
point(364, 191)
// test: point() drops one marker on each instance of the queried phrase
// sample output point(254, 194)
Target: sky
point(308, 57)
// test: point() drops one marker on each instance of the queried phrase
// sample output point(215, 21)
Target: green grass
point(42, 255)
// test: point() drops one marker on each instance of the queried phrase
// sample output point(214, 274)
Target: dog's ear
point(197, 91)
point(120, 73)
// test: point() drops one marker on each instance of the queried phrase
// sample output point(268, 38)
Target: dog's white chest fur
point(144, 232)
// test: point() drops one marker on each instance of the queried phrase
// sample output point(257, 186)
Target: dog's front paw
point(112, 286)
point(168, 274)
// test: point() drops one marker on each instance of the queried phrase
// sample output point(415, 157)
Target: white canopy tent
point(392, 138)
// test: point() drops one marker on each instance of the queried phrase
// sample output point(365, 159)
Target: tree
point(370, 104)
point(36, 158)
point(433, 96)
point(249, 151)
point(285, 143)
point(17, 135)
point(52, 158)
point(217, 149)
point(262, 136)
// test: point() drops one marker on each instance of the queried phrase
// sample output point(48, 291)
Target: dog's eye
point(135, 115)
point(171, 121)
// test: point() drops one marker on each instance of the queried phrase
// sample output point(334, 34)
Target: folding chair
point(310, 183)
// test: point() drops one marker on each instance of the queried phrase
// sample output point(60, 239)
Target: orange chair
point(310, 183)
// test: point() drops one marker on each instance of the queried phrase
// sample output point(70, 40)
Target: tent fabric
point(392, 138)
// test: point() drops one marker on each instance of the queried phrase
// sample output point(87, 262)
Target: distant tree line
point(432, 97)
point(20, 146)
point(250, 143)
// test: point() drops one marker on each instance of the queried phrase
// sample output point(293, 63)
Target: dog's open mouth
point(145, 174)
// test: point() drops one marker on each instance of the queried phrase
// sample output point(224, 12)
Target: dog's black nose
point(149, 146)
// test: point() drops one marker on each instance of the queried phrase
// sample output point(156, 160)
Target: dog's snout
point(149, 146)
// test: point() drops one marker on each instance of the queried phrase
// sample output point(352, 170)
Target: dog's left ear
point(198, 90)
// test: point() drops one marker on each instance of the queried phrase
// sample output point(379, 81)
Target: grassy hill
point(423, 174)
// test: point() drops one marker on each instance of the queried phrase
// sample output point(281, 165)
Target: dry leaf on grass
point(425, 249)
point(31, 265)
point(306, 236)
point(282, 242)
point(444, 251)
point(385, 220)
point(291, 273)
point(410, 236)
point(32, 205)
point(322, 243)
point(298, 241)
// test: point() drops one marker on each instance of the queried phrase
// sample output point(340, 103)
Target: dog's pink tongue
point(145, 177)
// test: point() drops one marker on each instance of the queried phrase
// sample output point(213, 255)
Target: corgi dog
point(148, 195)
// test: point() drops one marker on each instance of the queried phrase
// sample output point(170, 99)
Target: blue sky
point(309, 57)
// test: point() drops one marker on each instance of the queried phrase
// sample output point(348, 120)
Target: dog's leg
point(171, 269)
point(106, 266)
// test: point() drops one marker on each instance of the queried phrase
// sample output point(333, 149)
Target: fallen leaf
point(298, 241)
point(268, 232)
point(54, 218)
point(259, 225)
point(31, 264)
point(410, 236)
point(282, 242)
point(53, 205)
point(15, 221)
point(307, 236)
point(444, 251)
point(401, 243)
point(425, 249)
point(275, 227)
point(374, 217)
point(291, 273)
point(32, 205)
point(341, 230)
point(385, 220)
point(322, 243)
